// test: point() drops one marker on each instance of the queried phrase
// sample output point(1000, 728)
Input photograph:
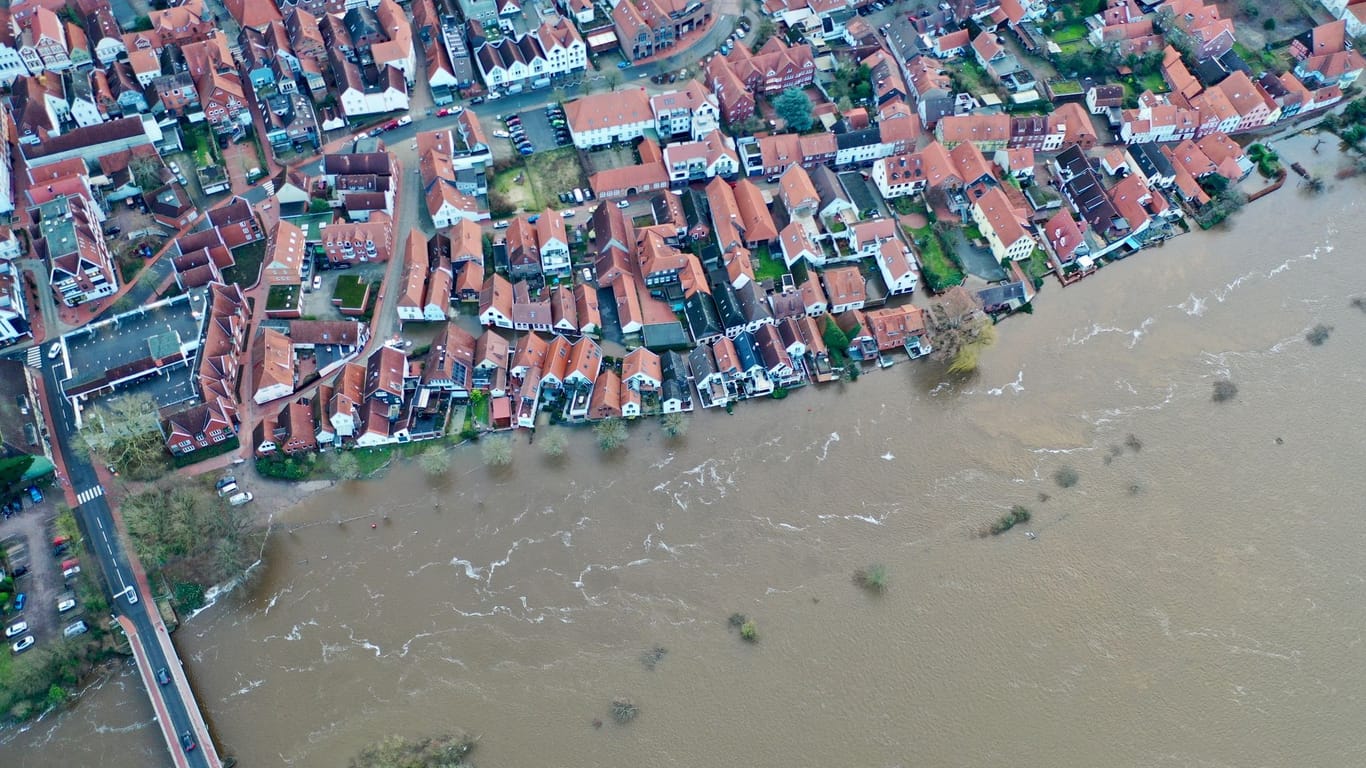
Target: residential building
point(68, 235)
point(1001, 225)
point(610, 117)
point(646, 27)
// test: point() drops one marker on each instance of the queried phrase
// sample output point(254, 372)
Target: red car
point(69, 564)
point(391, 125)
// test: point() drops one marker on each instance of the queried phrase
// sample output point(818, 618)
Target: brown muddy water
point(1197, 602)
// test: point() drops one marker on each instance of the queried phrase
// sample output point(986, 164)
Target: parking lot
point(536, 124)
point(26, 538)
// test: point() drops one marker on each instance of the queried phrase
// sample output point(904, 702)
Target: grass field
point(941, 271)
point(350, 290)
point(766, 266)
point(537, 182)
point(247, 268)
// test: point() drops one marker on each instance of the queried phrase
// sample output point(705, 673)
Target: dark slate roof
point(746, 353)
point(702, 318)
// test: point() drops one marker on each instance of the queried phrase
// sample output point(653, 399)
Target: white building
point(691, 111)
point(609, 117)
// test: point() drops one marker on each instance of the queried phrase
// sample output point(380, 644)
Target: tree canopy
point(794, 107)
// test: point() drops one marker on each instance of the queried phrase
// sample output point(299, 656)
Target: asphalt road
point(97, 523)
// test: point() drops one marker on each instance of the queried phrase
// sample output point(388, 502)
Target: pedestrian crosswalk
point(89, 494)
point(34, 357)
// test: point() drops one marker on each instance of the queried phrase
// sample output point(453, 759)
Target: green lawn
point(766, 267)
point(1069, 33)
point(282, 297)
point(940, 270)
point(1038, 267)
point(350, 291)
point(248, 266)
point(1153, 82)
point(481, 411)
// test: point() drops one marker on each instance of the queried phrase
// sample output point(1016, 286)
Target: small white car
point(65, 605)
point(240, 499)
point(17, 628)
point(23, 645)
point(55, 350)
point(77, 628)
point(501, 135)
point(623, 203)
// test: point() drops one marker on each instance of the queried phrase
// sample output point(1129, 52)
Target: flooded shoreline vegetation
point(45, 677)
point(873, 578)
point(1224, 390)
point(1318, 334)
point(1133, 443)
point(1066, 477)
point(1016, 516)
point(448, 751)
point(189, 539)
point(345, 466)
point(554, 442)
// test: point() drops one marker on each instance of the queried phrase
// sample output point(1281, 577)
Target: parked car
point(526, 151)
point(533, 218)
point(623, 65)
point(20, 600)
point(569, 214)
point(65, 605)
point(70, 563)
point(623, 203)
point(75, 628)
point(240, 499)
point(111, 231)
point(227, 490)
point(501, 134)
point(500, 225)
point(54, 350)
point(23, 645)
point(17, 628)
point(71, 573)
point(402, 121)
point(392, 124)
point(226, 480)
point(477, 100)
point(35, 494)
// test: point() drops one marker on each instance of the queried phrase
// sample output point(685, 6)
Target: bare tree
point(554, 442)
point(497, 451)
point(124, 431)
point(434, 460)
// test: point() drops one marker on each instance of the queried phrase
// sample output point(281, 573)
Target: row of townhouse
point(553, 49)
point(213, 420)
point(439, 269)
point(453, 165)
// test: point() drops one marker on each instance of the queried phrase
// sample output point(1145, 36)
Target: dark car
point(20, 571)
point(187, 741)
point(477, 100)
point(342, 265)
point(111, 231)
point(163, 676)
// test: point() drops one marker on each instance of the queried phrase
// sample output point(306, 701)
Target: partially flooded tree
point(434, 460)
point(497, 451)
point(960, 330)
point(675, 425)
point(611, 434)
point(124, 431)
point(554, 442)
point(448, 751)
point(346, 466)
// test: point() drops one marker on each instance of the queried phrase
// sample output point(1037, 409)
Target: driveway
point(976, 261)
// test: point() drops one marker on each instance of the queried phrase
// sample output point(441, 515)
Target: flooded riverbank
point(1191, 600)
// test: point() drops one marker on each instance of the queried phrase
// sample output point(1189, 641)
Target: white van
point(240, 499)
point(76, 628)
point(227, 490)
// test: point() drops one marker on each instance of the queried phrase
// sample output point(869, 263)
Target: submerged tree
point(675, 425)
point(611, 434)
point(554, 442)
point(961, 330)
point(497, 451)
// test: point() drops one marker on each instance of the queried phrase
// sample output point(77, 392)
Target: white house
point(389, 94)
point(797, 245)
point(894, 262)
point(900, 175)
point(712, 156)
point(553, 242)
point(1000, 225)
point(692, 111)
point(609, 117)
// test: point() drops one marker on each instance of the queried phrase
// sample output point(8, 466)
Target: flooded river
point(1195, 602)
